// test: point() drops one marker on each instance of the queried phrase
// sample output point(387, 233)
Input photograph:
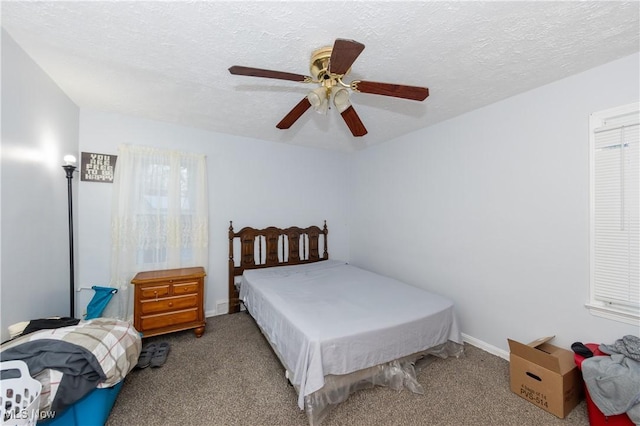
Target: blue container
point(92, 410)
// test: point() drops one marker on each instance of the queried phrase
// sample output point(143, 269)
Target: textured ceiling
point(168, 61)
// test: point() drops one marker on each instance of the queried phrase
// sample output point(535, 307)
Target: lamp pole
point(69, 169)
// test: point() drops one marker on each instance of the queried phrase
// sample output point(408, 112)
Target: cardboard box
point(545, 375)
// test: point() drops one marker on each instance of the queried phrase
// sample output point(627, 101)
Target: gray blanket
point(71, 361)
point(614, 381)
point(81, 370)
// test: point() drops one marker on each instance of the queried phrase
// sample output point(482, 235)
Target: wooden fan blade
point(257, 72)
point(343, 55)
point(350, 116)
point(396, 90)
point(294, 114)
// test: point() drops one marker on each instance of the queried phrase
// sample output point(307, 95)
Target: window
point(615, 214)
point(159, 217)
point(165, 210)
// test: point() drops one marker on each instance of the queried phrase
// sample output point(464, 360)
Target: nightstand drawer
point(183, 288)
point(154, 292)
point(165, 320)
point(168, 304)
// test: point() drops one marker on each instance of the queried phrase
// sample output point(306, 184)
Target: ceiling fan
point(329, 65)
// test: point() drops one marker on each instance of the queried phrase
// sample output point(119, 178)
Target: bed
point(335, 328)
point(81, 365)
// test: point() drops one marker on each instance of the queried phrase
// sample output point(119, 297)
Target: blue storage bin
point(92, 410)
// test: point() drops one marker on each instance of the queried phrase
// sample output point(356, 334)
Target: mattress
point(331, 318)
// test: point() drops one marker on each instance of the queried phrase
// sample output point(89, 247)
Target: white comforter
point(333, 318)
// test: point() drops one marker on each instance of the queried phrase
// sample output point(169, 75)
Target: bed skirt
point(398, 375)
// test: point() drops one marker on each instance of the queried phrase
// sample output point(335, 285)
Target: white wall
point(491, 209)
point(39, 126)
point(252, 182)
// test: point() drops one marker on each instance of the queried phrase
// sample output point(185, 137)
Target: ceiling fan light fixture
point(328, 67)
point(341, 99)
point(319, 100)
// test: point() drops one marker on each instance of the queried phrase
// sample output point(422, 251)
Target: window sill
point(619, 315)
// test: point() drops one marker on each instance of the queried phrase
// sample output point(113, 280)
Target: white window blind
point(615, 213)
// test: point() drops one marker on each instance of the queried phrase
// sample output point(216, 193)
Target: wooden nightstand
point(169, 300)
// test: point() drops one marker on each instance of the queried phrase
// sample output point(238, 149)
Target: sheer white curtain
point(159, 217)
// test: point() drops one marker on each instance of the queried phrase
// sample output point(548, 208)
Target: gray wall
point(491, 208)
point(39, 126)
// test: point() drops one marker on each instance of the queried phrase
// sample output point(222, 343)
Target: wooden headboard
point(262, 248)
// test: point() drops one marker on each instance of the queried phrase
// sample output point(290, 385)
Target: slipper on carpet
point(144, 360)
point(160, 355)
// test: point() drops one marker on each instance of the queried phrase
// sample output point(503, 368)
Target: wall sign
point(97, 167)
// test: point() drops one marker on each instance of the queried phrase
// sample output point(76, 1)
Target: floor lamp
point(69, 167)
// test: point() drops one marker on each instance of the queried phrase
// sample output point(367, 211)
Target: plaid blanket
point(72, 361)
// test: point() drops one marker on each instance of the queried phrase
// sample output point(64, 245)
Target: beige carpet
point(230, 376)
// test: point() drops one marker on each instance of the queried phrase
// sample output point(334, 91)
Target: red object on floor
point(596, 417)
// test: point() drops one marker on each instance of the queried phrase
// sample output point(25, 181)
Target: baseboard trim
point(216, 312)
point(485, 346)
point(212, 313)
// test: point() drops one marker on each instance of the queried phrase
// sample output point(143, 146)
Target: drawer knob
point(170, 304)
